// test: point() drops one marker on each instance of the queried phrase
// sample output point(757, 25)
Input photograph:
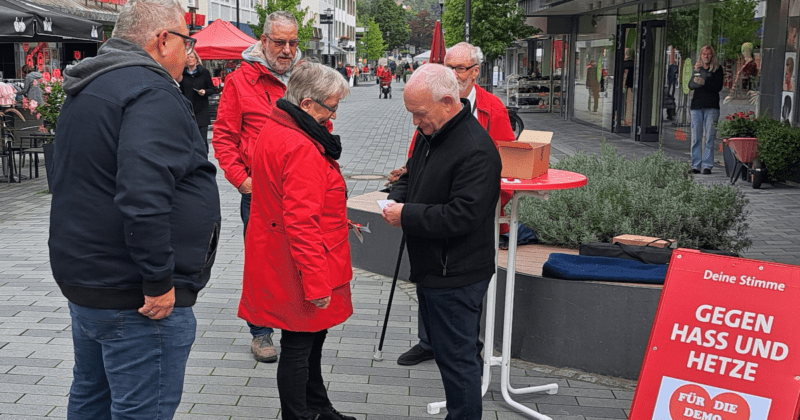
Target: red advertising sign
point(724, 345)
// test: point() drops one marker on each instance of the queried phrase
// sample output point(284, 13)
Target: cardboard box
point(645, 241)
point(528, 157)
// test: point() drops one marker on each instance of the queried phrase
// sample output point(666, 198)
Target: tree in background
point(304, 32)
point(392, 18)
point(421, 25)
point(496, 24)
point(371, 45)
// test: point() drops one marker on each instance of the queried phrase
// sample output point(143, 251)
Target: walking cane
point(379, 353)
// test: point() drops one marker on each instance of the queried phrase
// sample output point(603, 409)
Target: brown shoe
point(263, 349)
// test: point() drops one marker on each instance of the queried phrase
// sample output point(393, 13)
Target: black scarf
point(331, 143)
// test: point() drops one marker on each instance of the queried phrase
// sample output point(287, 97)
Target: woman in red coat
point(297, 268)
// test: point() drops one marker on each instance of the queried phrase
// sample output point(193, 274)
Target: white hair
point(315, 81)
point(475, 53)
point(439, 79)
point(281, 17)
point(141, 20)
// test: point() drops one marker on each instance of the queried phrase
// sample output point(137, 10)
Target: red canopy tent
point(221, 40)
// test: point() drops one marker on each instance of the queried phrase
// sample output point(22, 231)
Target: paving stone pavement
point(222, 379)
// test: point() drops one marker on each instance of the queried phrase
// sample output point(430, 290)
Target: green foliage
point(652, 196)
point(738, 124)
point(778, 149)
point(495, 25)
point(304, 32)
point(392, 19)
point(371, 45)
point(737, 24)
point(732, 20)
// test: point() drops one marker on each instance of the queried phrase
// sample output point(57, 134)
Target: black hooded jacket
point(135, 208)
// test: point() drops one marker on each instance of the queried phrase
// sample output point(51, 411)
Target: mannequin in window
point(672, 71)
point(627, 65)
point(787, 75)
point(593, 85)
point(748, 71)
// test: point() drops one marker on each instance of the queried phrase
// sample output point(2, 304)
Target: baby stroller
point(385, 78)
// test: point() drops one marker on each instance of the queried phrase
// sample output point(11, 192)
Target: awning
point(47, 25)
point(334, 49)
point(220, 40)
point(14, 23)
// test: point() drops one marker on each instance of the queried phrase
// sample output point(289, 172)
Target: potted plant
point(736, 125)
point(48, 111)
point(778, 149)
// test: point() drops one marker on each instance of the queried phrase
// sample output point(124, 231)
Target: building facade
point(624, 66)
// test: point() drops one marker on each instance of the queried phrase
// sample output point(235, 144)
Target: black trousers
point(300, 385)
point(452, 319)
point(204, 134)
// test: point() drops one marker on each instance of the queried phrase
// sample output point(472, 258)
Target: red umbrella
point(437, 46)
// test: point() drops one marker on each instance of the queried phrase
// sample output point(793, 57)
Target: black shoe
point(415, 356)
point(694, 171)
point(331, 414)
point(706, 171)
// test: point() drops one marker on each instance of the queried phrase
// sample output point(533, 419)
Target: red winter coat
point(493, 116)
point(249, 95)
point(297, 247)
point(385, 75)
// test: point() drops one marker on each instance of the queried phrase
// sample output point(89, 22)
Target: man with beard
point(246, 103)
point(465, 59)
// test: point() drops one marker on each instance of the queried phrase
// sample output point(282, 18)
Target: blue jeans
point(244, 209)
point(452, 317)
point(703, 136)
point(127, 366)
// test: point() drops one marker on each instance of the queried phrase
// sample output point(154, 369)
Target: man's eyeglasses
point(280, 43)
point(461, 69)
point(188, 42)
point(332, 110)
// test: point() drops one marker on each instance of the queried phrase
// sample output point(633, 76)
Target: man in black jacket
point(134, 220)
point(445, 205)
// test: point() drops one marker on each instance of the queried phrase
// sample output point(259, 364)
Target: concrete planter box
point(595, 327)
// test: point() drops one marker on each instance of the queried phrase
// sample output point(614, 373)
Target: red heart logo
point(693, 402)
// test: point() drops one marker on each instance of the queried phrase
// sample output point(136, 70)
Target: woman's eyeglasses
point(332, 110)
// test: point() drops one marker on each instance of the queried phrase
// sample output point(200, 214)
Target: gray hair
point(140, 20)
point(281, 17)
point(475, 53)
point(439, 79)
point(315, 81)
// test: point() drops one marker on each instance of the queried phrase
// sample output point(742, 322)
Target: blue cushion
point(582, 267)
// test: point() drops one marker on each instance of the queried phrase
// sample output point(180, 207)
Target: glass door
point(652, 61)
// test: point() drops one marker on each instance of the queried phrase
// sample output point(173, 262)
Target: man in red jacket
point(245, 105)
point(465, 60)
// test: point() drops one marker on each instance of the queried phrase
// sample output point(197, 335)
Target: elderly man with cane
point(445, 204)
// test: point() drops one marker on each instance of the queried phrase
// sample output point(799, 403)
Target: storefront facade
point(624, 66)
